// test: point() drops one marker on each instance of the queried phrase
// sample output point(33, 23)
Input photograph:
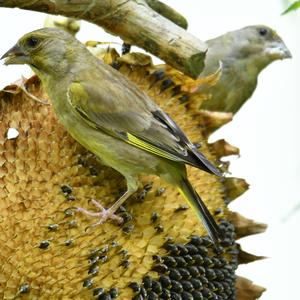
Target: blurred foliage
point(292, 7)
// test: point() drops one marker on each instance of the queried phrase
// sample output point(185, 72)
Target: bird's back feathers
point(141, 123)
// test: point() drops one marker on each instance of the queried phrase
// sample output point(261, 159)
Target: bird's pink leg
point(106, 214)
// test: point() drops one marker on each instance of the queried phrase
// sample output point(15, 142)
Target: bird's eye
point(32, 42)
point(263, 31)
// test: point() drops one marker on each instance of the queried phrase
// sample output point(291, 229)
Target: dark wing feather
point(196, 158)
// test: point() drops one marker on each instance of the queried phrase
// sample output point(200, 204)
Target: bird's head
point(264, 42)
point(48, 51)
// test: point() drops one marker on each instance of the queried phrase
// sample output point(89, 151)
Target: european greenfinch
point(110, 116)
point(244, 53)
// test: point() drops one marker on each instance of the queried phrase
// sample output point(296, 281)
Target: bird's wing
point(153, 131)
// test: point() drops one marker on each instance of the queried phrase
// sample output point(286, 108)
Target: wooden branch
point(135, 22)
point(168, 12)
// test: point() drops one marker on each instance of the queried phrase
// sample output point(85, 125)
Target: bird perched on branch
point(244, 53)
point(109, 115)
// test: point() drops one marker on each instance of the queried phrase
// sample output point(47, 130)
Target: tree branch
point(136, 23)
point(168, 12)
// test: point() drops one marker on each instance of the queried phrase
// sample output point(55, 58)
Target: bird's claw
point(103, 215)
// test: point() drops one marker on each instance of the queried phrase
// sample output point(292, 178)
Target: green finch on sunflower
point(110, 116)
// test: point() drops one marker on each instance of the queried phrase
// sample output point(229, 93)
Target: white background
point(266, 129)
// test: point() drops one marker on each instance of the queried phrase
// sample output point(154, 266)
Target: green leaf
point(292, 7)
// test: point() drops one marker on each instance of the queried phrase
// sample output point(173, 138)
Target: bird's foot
point(103, 215)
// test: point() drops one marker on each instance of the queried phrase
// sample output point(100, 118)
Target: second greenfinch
point(244, 53)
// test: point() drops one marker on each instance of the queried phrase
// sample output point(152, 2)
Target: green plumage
point(112, 117)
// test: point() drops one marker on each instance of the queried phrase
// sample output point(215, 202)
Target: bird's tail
point(201, 210)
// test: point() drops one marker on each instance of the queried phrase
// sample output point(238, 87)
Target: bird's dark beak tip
point(6, 54)
point(15, 51)
point(288, 54)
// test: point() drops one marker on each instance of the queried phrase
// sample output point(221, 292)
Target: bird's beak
point(15, 56)
point(278, 50)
